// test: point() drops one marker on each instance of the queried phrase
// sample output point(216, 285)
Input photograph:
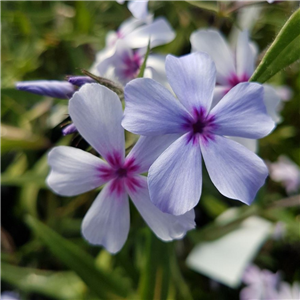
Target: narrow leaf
point(143, 66)
point(59, 285)
point(207, 5)
point(284, 50)
point(104, 285)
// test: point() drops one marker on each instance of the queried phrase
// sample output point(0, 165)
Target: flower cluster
point(189, 110)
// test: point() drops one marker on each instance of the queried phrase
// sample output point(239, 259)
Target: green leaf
point(23, 180)
point(103, 284)
point(207, 5)
point(59, 285)
point(155, 278)
point(143, 66)
point(13, 138)
point(284, 50)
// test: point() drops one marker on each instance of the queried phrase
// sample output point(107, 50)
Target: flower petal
point(159, 32)
point(244, 56)
point(151, 109)
point(96, 112)
point(192, 78)
point(212, 42)
point(167, 227)
point(175, 178)
point(155, 69)
point(139, 9)
point(219, 92)
point(129, 26)
point(272, 102)
point(73, 171)
point(241, 112)
point(107, 221)
point(148, 149)
point(236, 172)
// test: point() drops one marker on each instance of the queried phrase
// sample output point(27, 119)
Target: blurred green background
point(52, 39)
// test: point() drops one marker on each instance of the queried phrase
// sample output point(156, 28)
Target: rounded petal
point(236, 172)
point(107, 221)
point(97, 112)
point(241, 112)
point(159, 32)
point(151, 109)
point(212, 42)
point(73, 171)
point(148, 149)
point(175, 178)
point(155, 65)
point(139, 9)
point(245, 59)
point(192, 78)
point(167, 227)
point(272, 102)
point(129, 26)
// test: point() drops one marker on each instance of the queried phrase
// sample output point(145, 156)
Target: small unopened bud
point(80, 80)
point(69, 129)
point(51, 88)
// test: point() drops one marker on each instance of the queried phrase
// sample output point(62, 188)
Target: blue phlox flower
point(97, 113)
point(175, 178)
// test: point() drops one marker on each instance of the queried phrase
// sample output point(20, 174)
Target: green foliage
point(143, 66)
point(284, 50)
point(58, 285)
point(103, 284)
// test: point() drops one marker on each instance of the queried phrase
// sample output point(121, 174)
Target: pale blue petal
point(272, 103)
point(148, 148)
point(151, 109)
point(192, 78)
point(245, 59)
point(236, 172)
point(139, 9)
point(97, 112)
point(213, 43)
point(241, 112)
point(175, 178)
point(219, 92)
point(159, 32)
point(107, 221)
point(167, 227)
point(73, 171)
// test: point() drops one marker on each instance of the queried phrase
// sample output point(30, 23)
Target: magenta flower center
point(122, 174)
point(201, 125)
point(132, 65)
point(235, 79)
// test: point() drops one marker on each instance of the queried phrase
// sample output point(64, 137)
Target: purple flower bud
point(51, 88)
point(69, 129)
point(80, 80)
